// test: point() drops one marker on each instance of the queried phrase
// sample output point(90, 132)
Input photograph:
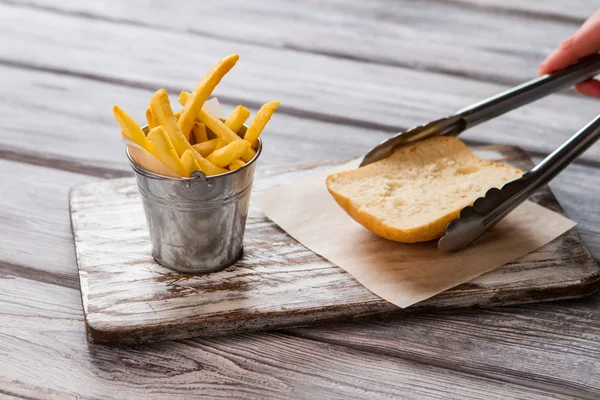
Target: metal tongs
point(488, 210)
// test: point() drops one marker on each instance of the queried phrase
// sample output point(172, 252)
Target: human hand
point(584, 42)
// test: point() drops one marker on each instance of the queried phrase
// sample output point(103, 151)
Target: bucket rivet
point(187, 185)
point(210, 184)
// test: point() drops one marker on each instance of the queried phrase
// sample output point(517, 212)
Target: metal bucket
point(196, 224)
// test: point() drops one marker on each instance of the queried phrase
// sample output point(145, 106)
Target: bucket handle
point(199, 175)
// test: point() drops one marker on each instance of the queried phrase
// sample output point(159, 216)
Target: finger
point(591, 20)
point(590, 87)
point(584, 42)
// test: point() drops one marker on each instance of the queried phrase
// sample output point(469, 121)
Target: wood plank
point(46, 356)
point(128, 297)
point(576, 12)
point(35, 222)
point(544, 344)
point(478, 42)
point(577, 190)
point(389, 99)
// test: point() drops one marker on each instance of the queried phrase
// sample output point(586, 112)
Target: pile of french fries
point(194, 139)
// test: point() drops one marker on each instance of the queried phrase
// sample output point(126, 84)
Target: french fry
point(205, 148)
point(163, 114)
point(206, 166)
point(183, 97)
point(249, 154)
point(200, 94)
point(215, 122)
point(131, 130)
point(217, 126)
point(237, 118)
point(225, 156)
point(150, 119)
point(189, 163)
point(258, 123)
point(174, 133)
point(220, 144)
point(199, 131)
point(236, 164)
point(223, 132)
point(165, 151)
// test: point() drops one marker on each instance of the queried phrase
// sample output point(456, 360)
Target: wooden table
point(348, 74)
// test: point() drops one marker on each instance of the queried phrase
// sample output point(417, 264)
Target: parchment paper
point(402, 274)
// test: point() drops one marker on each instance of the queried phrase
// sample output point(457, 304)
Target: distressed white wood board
point(129, 298)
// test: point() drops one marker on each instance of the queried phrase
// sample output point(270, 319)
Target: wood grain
point(390, 99)
point(577, 189)
point(127, 297)
point(35, 221)
point(43, 335)
point(496, 352)
point(544, 345)
point(484, 43)
point(555, 10)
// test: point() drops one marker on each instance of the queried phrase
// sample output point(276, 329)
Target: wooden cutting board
point(129, 298)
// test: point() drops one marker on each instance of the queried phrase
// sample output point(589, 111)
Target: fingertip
point(589, 88)
point(553, 62)
point(566, 54)
point(556, 62)
point(551, 65)
point(544, 68)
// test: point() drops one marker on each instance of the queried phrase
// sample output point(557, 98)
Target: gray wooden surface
point(348, 73)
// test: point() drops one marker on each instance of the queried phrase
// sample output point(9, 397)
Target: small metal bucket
point(196, 224)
